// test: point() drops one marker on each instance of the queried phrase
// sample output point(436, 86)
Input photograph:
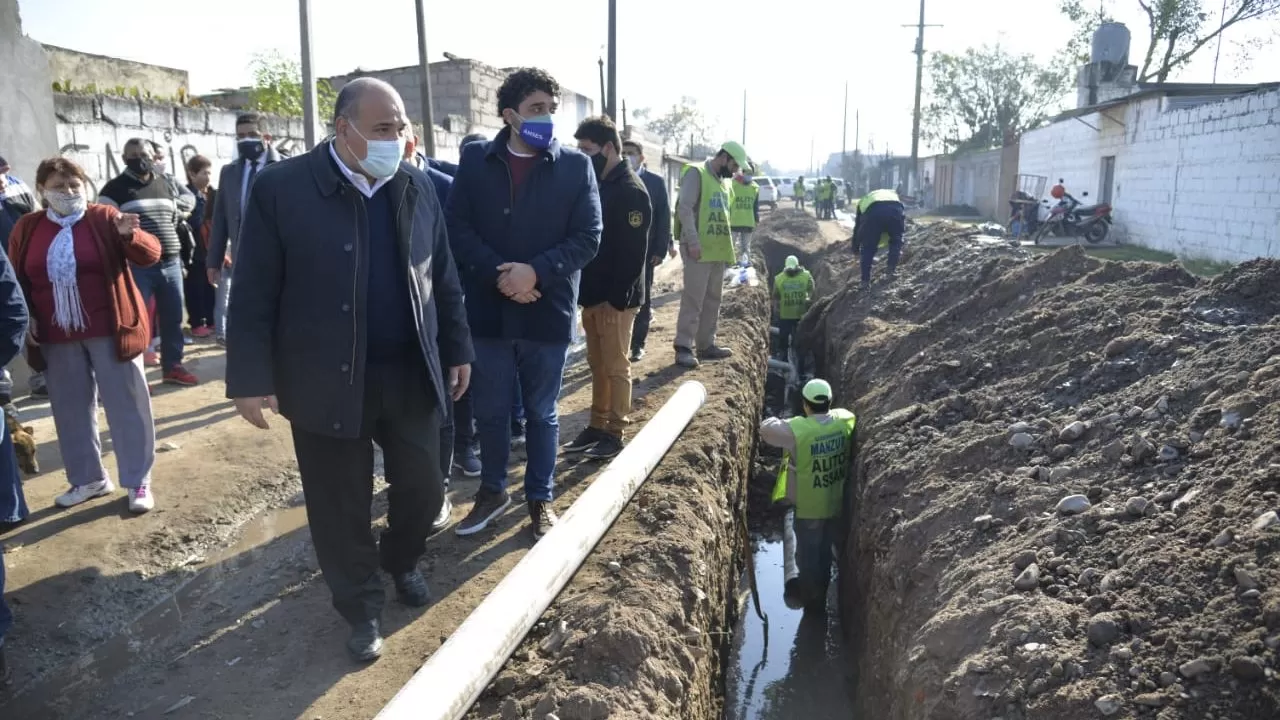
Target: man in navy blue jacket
point(660, 243)
point(348, 318)
point(13, 328)
point(524, 219)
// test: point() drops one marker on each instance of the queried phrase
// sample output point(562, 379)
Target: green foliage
point(980, 97)
point(1176, 29)
point(277, 87)
point(685, 125)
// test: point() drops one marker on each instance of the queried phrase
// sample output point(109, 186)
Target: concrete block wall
point(26, 108)
point(1198, 182)
point(92, 130)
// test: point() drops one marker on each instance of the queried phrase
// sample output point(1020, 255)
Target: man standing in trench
point(706, 245)
point(347, 318)
point(815, 470)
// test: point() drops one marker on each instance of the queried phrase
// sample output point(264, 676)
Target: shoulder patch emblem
point(636, 218)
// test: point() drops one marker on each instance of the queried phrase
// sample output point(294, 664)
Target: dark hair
point(818, 407)
point(197, 163)
point(632, 144)
point(601, 131)
point(59, 166)
point(522, 83)
point(252, 117)
point(473, 137)
point(138, 143)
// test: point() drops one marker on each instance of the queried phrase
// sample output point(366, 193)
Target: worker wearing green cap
point(792, 293)
point(703, 207)
point(818, 451)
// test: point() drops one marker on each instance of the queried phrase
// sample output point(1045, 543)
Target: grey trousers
point(78, 374)
point(699, 303)
point(742, 241)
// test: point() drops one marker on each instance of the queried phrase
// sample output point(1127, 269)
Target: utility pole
point(744, 117)
point(428, 117)
point(915, 120)
point(810, 156)
point(1218, 52)
point(604, 97)
point(612, 106)
point(844, 136)
point(308, 77)
point(624, 114)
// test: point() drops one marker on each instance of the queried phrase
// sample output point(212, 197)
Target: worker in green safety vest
point(797, 192)
point(792, 293)
point(818, 450)
point(745, 212)
point(880, 221)
point(703, 205)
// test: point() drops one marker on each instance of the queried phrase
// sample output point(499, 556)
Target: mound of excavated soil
point(1068, 481)
point(639, 632)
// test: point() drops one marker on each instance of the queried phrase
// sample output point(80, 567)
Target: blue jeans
point(164, 281)
point(539, 368)
point(880, 218)
point(517, 405)
point(13, 504)
point(815, 552)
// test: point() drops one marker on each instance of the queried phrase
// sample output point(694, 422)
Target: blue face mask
point(382, 157)
point(537, 131)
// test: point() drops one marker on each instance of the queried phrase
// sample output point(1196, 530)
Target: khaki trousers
point(608, 332)
point(699, 304)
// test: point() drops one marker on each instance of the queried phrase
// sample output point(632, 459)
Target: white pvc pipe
point(450, 681)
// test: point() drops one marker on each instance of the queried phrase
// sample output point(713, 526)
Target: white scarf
point(68, 312)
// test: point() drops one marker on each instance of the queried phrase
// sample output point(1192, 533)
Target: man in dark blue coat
point(660, 243)
point(13, 329)
point(348, 320)
point(524, 219)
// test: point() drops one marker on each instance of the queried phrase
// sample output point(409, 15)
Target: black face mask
point(598, 161)
point(251, 148)
point(139, 165)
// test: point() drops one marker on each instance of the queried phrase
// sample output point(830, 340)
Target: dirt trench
point(1066, 484)
point(641, 631)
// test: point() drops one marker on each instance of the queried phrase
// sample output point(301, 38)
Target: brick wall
point(1199, 182)
point(92, 130)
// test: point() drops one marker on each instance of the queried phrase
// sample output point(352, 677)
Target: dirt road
point(212, 605)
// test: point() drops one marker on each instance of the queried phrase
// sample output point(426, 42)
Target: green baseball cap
point(738, 153)
point(817, 390)
point(792, 262)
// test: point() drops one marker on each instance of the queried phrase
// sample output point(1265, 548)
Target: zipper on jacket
point(413, 286)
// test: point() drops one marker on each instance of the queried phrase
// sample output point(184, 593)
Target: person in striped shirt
point(160, 204)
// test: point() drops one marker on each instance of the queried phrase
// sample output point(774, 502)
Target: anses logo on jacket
point(719, 202)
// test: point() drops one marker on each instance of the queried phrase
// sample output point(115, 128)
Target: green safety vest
point(793, 293)
point(876, 196)
point(743, 214)
point(798, 189)
point(714, 233)
point(822, 465)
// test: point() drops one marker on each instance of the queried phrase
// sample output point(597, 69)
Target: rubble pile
point(1068, 484)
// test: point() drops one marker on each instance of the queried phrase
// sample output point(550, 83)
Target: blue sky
point(792, 57)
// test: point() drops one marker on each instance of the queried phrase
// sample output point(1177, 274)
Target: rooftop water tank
point(1110, 44)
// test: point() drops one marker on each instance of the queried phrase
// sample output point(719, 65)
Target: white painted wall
point(1201, 182)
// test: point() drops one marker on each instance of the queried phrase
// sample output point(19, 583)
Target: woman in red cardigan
point(88, 330)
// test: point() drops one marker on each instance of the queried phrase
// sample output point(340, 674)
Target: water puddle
point(795, 670)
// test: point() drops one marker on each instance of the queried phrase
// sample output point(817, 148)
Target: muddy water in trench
point(800, 670)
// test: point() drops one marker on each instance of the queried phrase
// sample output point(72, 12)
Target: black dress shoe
point(365, 643)
point(411, 589)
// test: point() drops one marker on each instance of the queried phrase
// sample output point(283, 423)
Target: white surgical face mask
point(64, 203)
point(382, 157)
point(159, 167)
point(635, 161)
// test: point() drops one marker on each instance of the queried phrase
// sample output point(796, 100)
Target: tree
point(980, 97)
point(1178, 29)
point(1085, 20)
point(684, 125)
point(277, 87)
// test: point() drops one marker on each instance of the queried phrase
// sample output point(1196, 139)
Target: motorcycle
point(1070, 218)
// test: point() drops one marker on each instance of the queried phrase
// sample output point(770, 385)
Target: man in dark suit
point(348, 320)
point(660, 243)
point(254, 152)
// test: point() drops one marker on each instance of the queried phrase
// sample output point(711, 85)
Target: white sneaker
point(141, 500)
point(82, 493)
